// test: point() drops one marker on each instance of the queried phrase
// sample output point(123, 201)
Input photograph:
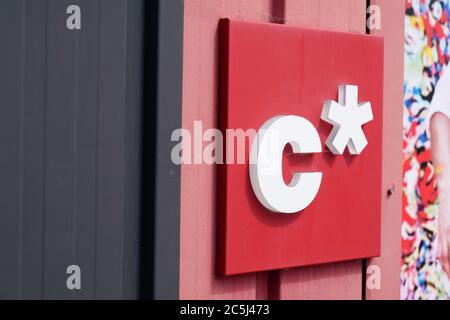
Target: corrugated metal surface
point(70, 138)
point(160, 224)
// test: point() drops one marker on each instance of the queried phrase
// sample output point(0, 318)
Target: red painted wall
point(198, 279)
point(333, 281)
point(392, 23)
point(198, 182)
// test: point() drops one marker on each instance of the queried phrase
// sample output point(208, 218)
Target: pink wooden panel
point(337, 15)
point(392, 23)
point(340, 281)
point(198, 183)
point(198, 189)
point(334, 281)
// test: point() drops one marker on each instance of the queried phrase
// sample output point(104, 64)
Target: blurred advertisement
point(426, 149)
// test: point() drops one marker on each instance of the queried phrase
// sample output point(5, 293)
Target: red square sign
point(300, 80)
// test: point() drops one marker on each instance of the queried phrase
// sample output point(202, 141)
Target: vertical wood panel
point(342, 280)
point(198, 278)
point(392, 24)
point(336, 15)
point(335, 281)
point(338, 281)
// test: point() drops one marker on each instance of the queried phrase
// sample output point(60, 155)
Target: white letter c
point(266, 157)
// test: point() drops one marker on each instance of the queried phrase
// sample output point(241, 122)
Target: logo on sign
point(266, 156)
point(316, 148)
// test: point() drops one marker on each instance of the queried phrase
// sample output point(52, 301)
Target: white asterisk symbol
point(347, 118)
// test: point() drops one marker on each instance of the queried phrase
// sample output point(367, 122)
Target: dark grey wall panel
point(161, 189)
point(11, 186)
point(70, 157)
point(34, 35)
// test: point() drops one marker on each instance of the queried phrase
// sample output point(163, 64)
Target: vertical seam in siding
point(99, 20)
point(365, 261)
point(21, 148)
point(75, 147)
point(44, 163)
point(124, 154)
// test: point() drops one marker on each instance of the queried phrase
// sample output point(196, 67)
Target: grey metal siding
point(160, 258)
point(70, 138)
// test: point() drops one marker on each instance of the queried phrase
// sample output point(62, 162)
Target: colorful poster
point(426, 149)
